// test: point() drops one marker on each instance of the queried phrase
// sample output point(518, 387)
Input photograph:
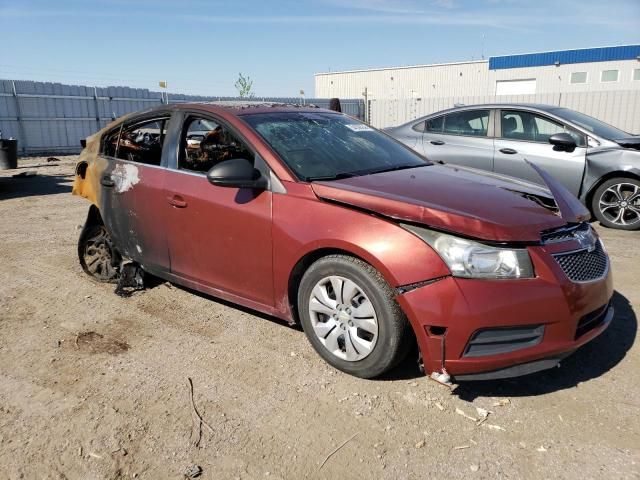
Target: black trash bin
point(8, 154)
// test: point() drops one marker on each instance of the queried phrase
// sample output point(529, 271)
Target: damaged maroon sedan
point(314, 217)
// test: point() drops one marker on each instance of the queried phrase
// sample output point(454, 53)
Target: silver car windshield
point(591, 124)
point(326, 146)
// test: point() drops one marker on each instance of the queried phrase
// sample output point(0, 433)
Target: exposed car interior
point(206, 143)
point(142, 143)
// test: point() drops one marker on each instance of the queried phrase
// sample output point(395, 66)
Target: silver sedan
point(597, 162)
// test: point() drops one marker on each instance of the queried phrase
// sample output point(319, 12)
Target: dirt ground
point(94, 386)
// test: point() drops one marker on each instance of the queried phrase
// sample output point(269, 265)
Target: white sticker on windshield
point(359, 127)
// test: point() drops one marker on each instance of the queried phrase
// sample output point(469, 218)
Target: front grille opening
point(564, 233)
point(493, 341)
point(591, 320)
point(584, 266)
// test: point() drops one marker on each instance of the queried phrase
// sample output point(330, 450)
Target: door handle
point(177, 201)
point(107, 182)
point(508, 151)
point(436, 142)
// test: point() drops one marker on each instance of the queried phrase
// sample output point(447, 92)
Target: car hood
point(457, 199)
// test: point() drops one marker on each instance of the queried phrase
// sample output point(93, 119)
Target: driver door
point(219, 237)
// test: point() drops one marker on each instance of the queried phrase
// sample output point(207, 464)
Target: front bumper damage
point(490, 329)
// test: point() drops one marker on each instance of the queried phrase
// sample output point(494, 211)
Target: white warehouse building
point(589, 69)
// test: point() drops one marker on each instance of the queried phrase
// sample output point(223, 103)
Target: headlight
point(469, 259)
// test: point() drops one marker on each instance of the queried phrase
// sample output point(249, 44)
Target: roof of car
point(535, 106)
point(250, 107)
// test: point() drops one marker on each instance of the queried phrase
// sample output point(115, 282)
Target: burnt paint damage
point(114, 188)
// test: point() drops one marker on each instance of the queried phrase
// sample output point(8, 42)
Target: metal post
point(95, 98)
point(366, 105)
point(23, 138)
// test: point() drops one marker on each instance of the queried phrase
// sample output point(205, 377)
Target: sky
point(200, 47)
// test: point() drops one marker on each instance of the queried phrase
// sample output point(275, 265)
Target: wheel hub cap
point(343, 318)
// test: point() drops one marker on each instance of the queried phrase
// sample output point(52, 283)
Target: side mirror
point(563, 142)
point(236, 173)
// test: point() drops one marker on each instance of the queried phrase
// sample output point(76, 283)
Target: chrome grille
point(584, 265)
point(564, 233)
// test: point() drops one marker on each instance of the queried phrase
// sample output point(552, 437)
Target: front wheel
point(349, 315)
point(616, 203)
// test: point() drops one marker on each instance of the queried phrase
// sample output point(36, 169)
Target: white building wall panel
point(469, 78)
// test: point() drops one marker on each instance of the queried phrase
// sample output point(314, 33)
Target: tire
point(364, 299)
point(616, 203)
point(98, 257)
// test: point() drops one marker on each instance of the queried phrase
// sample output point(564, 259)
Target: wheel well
point(303, 264)
point(94, 217)
point(604, 178)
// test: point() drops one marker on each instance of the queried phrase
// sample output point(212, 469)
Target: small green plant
point(244, 86)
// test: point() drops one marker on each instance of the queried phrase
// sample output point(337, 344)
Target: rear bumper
point(560, 315)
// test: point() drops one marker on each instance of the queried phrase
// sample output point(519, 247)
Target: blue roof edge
point(584, 55)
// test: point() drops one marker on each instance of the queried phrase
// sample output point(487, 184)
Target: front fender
point(608, 163)
point(302, 224)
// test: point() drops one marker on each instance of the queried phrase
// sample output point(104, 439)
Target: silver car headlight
point(469, 259)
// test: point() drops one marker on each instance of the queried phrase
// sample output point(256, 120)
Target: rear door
point(525, 134)
point(132, 190)
point(461, 137)
point(219, 237)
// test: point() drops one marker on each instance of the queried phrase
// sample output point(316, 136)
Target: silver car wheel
point(620, 204)
point(343, 318)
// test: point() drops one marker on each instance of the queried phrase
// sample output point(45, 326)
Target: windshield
point(591, 124)
point(330, 145)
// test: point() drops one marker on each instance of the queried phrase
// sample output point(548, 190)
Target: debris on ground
point(495, 427)
point(541, 449)
point(198, 421)
point(461, 447)
point(420, 444)
point(483, 414)
point(131, 279)
point(460, 412)
point(193, 471)
point(501, 403)
point(474, 468)
point(442, 378)
point(439, 405)
point(336, 449)
point(52, 159)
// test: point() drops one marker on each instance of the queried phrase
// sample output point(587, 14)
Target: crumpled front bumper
point(449, 312)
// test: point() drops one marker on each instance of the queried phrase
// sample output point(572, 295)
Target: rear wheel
point(616, 203)
point(98, 257)
point(349, 315)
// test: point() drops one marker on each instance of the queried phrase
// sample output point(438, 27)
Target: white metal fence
point(53, 117)
point(620, 109)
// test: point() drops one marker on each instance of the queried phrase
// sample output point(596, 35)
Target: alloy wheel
point(620, 204)
point(343, 318)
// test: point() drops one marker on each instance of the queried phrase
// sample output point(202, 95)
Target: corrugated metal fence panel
point(54, 117)
point(583, 55)
point(618, 108)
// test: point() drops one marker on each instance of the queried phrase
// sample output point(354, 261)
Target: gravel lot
point(95, 386)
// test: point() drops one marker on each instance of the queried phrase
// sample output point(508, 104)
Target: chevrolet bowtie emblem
point(586, 239)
